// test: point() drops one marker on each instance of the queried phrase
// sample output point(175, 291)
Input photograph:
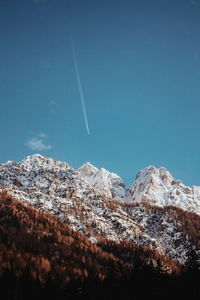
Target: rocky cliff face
point(107, 183)
point(96, 203)
point(156, 186)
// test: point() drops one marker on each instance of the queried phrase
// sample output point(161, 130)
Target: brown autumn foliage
point(41, 258)
point(37, 243)
point(140, 256)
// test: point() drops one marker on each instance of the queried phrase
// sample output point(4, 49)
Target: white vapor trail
point(80, 88)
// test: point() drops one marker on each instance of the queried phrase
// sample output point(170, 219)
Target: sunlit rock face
point(156, 186)
point(107, 183)
point(96, 203)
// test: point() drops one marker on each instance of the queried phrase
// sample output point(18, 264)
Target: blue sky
point(139, 63)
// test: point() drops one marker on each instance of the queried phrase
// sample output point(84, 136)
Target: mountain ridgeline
point(80, 234)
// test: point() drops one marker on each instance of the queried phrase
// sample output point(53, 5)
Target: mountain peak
point(155, 175)
point(88, 169)
point(107, 183)
point(155, 186)
point(33, 157)
point(37, 161)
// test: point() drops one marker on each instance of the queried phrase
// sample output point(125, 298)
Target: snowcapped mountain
point(156, 186)
point(107, 183)
point(96, 203)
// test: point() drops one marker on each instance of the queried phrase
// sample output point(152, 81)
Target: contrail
point(80, 88)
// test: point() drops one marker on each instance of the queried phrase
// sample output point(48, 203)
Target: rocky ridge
point(96, 203)
point(156, 186)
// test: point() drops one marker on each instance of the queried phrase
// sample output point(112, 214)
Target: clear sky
point(139, 63)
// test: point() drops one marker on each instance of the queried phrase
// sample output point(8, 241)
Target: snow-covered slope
point(156, 186)
point(65, 193)
point(107, 183)
point(86, 200)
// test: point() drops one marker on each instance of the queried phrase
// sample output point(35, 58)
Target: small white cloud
point(38, 143)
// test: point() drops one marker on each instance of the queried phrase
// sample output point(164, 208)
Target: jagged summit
point(154, 176)
point(34, 159)
point(84, 199)
point(152, 170)
point(37, 161)
point(153, 185)
point(88, 169)
point(158, 187)
point(34, 156)
point(107, 183)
